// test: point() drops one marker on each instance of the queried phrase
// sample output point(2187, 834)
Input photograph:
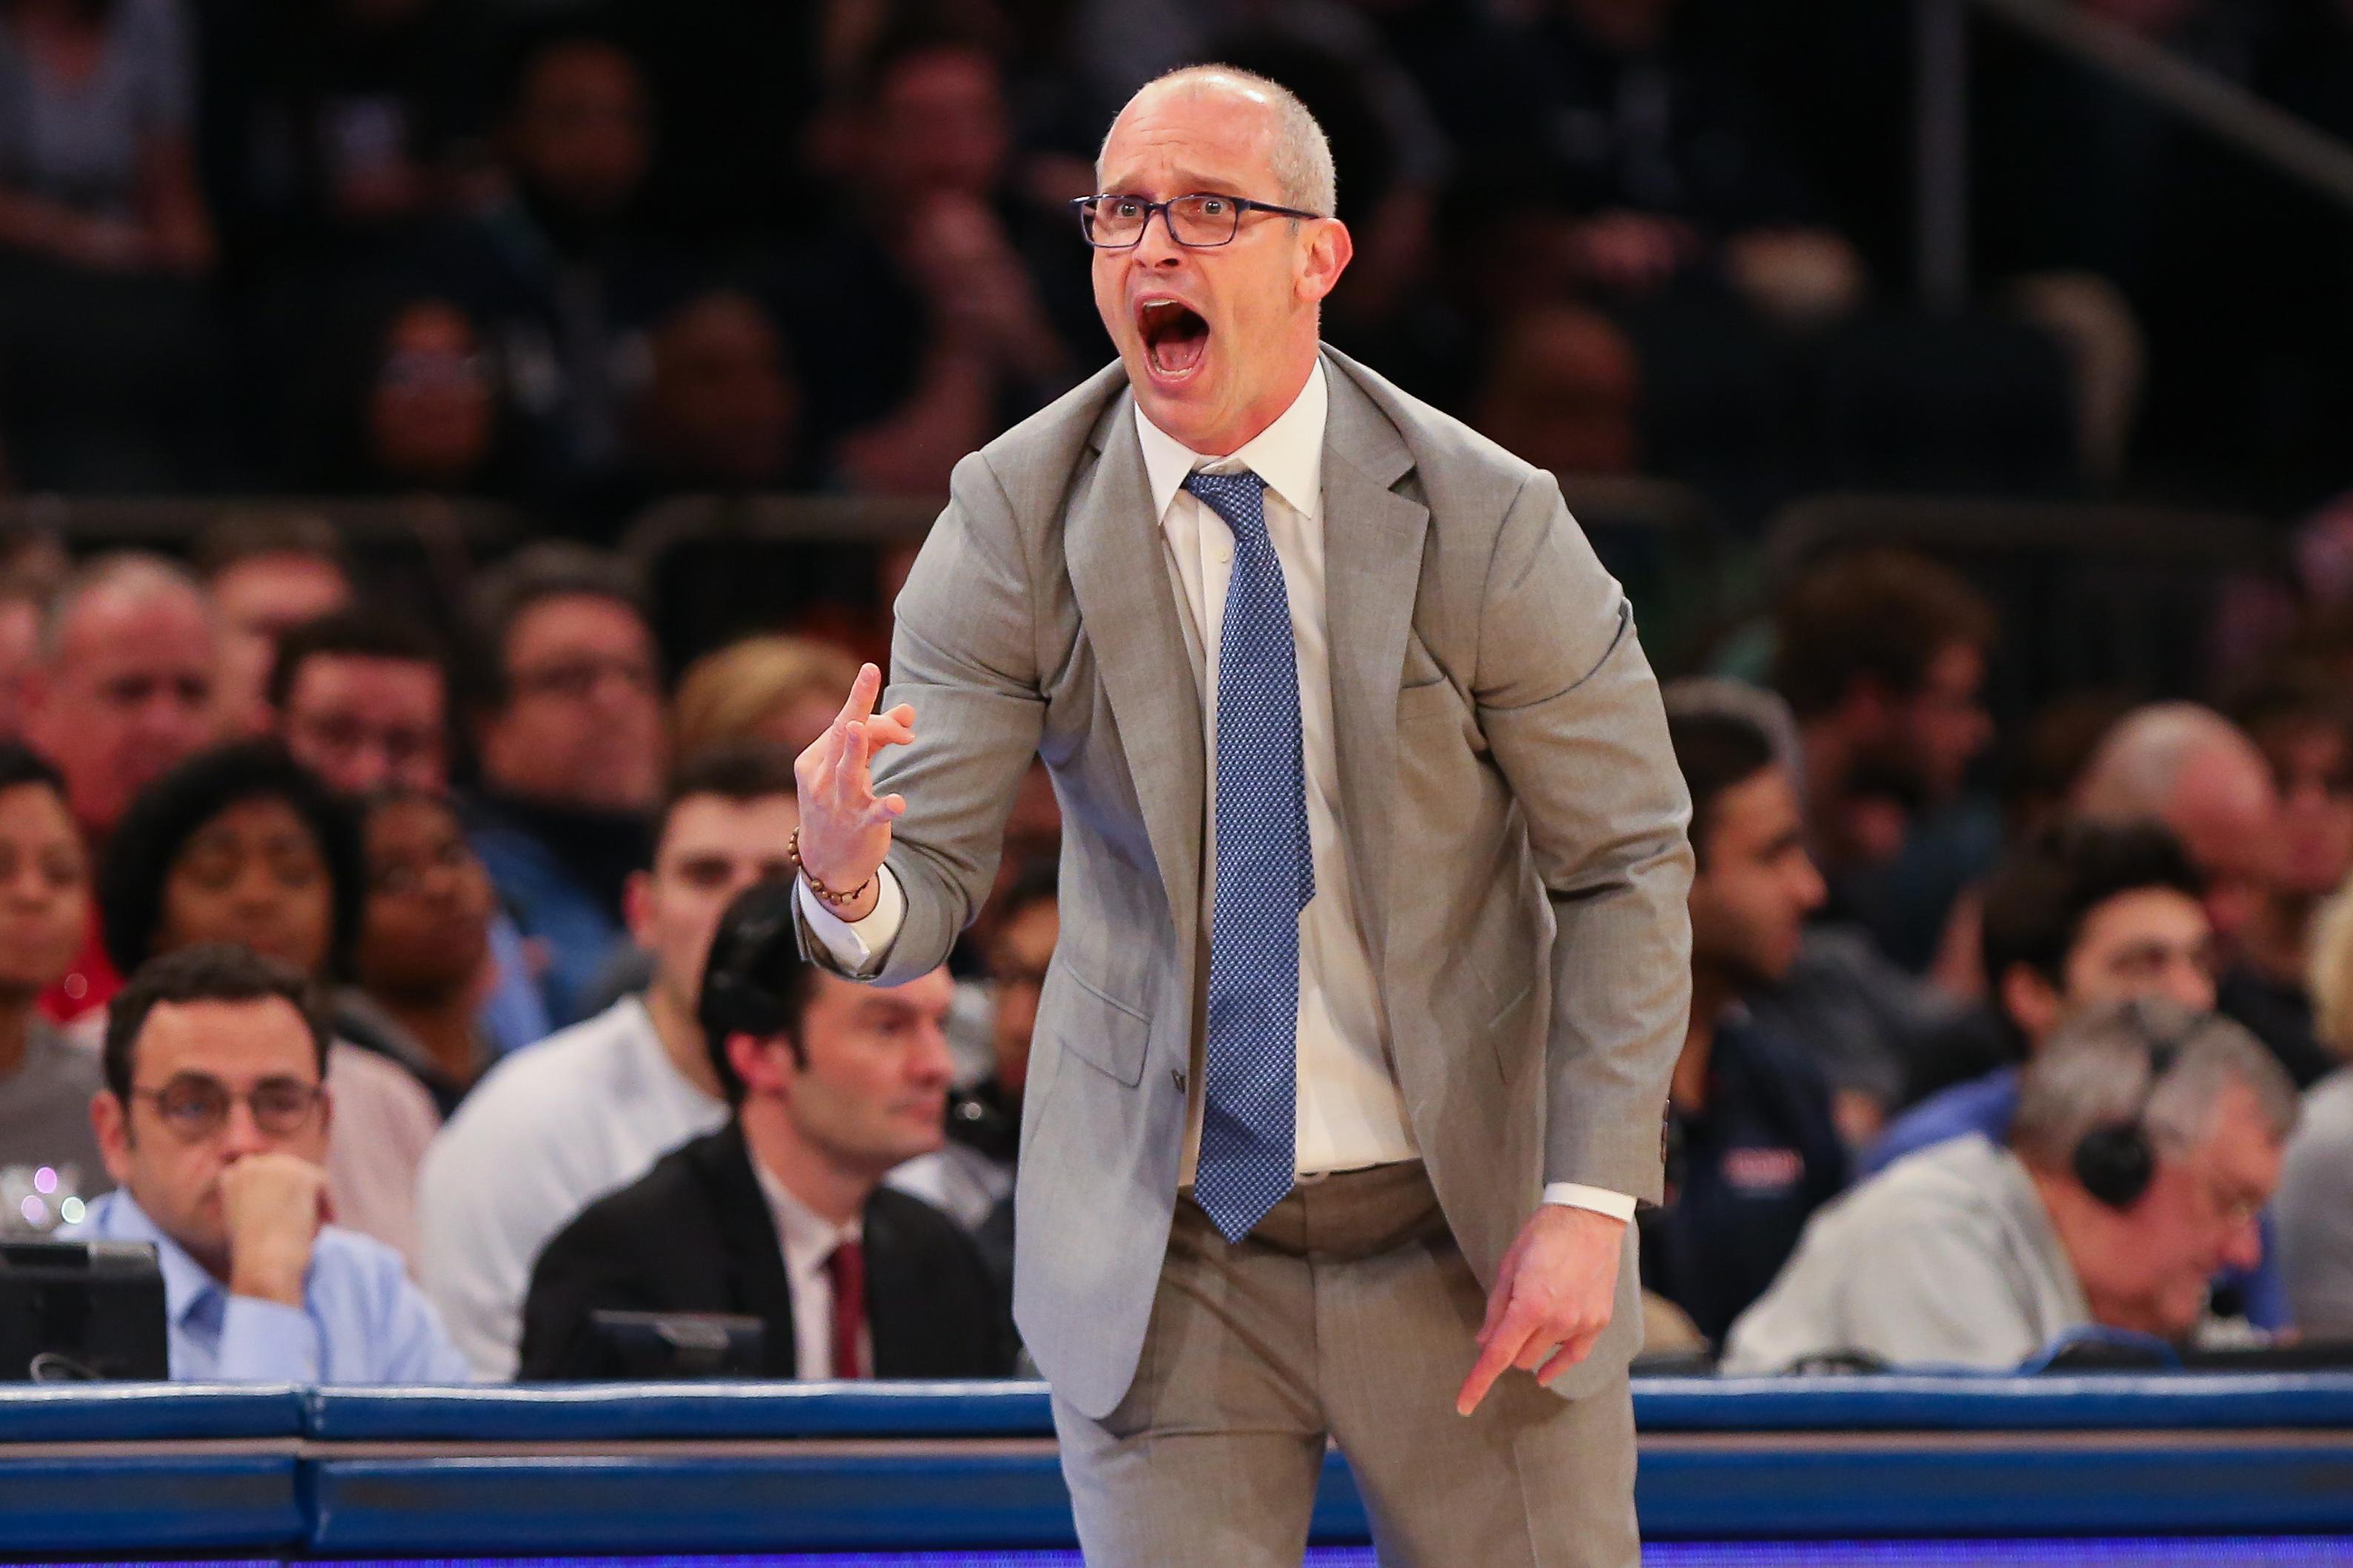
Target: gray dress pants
point(1348, 1315)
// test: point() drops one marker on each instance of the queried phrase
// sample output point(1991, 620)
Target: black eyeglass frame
point(1079, 206)
point(190, 1130)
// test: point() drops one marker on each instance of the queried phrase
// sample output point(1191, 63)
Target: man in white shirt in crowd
point(2147, 1141)
point(591, 1108)
point(213, 1120)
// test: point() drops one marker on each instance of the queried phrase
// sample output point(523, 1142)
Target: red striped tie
point(847, 1270)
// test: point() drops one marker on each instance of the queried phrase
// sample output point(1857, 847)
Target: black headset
point(756, 945)
point(2115, 1161)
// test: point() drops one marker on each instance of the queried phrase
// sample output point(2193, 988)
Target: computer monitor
point(631, 1345)
point(73, 1310)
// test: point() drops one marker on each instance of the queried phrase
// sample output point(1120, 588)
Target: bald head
point(1217, 311)
point(2194, 771)
point(123, 691)
point(1297, 152)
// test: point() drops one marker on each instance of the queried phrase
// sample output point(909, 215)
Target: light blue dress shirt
point(362, 1319)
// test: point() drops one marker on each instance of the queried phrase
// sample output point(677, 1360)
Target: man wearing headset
point(2147, 1141)
point(781, 1214)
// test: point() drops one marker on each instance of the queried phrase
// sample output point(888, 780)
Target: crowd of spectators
point(423, 986)
point(577, 257)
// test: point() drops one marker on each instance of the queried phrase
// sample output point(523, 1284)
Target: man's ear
point(2031, 1002)
point(637, 907)
point(768, 1063)
point(109, 1120)
point(1329, 251)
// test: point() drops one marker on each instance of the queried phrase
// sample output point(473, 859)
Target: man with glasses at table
point(1374, 955)
point(214, 1122)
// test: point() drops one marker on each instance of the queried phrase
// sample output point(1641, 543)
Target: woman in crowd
point(239, 844)
point(425, 933)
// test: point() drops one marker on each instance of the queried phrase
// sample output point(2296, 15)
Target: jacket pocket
point(1108, 1035)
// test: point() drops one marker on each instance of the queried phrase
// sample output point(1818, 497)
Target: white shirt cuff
point(858, 946)
point(1619, 1207)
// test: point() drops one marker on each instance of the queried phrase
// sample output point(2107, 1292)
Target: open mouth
point(1175, 336)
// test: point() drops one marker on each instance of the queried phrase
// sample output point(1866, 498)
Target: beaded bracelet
point(793, 853)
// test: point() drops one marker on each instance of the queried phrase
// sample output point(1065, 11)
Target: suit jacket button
point(1177, 1077)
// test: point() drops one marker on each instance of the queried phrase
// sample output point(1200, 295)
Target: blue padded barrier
point(124, 1468)
point(626, 1412)
point(147, 1412)
point(138, 1470)
point(640, 1412)
point(1965, 1402)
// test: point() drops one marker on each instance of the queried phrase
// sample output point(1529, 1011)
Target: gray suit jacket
point(1514, 817)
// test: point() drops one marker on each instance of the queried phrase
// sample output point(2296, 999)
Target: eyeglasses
point(1198, 221)
point(195, 1106)
point(578, 679)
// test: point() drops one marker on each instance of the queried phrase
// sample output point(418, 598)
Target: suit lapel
point(1372, 569)
point(756, 1285)
point(1120, 578)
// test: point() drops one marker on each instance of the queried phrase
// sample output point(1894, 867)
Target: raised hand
point(272, 1205)
point(845, 830)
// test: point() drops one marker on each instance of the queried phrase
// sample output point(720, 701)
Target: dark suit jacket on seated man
point(1372, 963)
point(781, 1214)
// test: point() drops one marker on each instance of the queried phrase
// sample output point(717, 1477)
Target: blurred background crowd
point(522, 412)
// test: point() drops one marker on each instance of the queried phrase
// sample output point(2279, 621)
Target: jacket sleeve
point(588, 1267)
point(1569, 705)
point(964, 655)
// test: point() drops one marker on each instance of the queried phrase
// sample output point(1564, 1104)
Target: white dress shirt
point(1350, 1111)
point(808, 1240)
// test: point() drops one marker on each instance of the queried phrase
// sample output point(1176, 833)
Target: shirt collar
point(808, 1238)
point(186, 1284)
point(1288, 454)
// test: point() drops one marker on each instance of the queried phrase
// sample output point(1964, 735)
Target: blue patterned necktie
point(1265, 876)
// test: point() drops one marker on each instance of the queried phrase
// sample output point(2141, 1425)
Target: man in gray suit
point(1349, 1069)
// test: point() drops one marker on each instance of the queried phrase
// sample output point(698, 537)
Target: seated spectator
point(131, 656)
point(2314, 1216)
point(1752, 1149)
point(773, 690)
point(214, 1119)
point(363, 702)
point(239, 844)
point(720, 411)
point(269, 573)
point(554, 273)
point(49, 1164)
point(781, 1214)
point(417, 408)
point(345, 119)
point(972, 1182)
point(2194, 771)
point(104, 239)
point(1673, 169)
point(1563, 390)
point(943, 309)
point(424, 948)
point(21, 603)
point(570, 734)
point(2303, 724)
point(1882, 654)
point(592, 1107)
point(2147, 1141)
point(2079, 914)
point(1839, 1002)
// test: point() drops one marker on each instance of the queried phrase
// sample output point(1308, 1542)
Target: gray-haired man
point(2147, 1141)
